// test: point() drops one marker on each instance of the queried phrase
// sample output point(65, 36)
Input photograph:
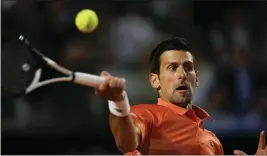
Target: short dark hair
point(176, 43)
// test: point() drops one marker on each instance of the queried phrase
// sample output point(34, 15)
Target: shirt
point(172, 130)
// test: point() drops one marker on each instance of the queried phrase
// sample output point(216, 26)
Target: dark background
point(229, 44)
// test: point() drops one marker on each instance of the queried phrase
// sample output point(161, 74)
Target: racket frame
point(76, 77)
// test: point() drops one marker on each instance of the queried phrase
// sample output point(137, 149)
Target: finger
point(262, 140)
point(119, 83)
point(238, 152)
point(122, 83)
point(107, 76)
point(105, 84)
point(114, 83)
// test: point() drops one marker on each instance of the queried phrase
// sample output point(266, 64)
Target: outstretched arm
point(127, 135)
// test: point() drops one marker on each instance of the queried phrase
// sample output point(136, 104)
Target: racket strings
point(18, 68)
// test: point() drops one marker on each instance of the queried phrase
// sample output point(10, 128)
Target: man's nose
point(181, 73)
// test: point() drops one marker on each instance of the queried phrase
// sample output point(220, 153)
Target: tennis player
point(172, 126)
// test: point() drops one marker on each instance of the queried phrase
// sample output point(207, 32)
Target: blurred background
point(229, 42)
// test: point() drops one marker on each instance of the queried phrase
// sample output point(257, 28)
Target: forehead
point(178, 56)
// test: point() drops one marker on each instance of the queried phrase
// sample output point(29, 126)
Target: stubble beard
point(182, 101)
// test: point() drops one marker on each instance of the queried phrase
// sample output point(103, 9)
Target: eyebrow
point(175, 62)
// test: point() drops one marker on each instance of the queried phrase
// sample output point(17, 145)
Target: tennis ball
point(86, 21)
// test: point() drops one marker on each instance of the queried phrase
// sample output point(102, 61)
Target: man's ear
point(154, 80)
point(196, 78)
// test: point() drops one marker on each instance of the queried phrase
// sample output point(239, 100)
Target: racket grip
point(88, 79)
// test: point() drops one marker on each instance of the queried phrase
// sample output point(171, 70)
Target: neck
point(189, 106)
point(184, 105)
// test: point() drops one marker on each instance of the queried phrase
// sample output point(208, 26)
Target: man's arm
point(127, 135)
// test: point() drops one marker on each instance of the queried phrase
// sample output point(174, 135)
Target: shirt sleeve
point(220, 150)
point(219, 147)
point(144, 119)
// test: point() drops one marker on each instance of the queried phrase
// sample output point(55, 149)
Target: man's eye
point(172, 68)
point(188, 68)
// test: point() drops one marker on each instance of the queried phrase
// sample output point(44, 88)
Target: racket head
point(19, 65)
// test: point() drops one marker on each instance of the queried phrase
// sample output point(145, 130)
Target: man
point(174, 125)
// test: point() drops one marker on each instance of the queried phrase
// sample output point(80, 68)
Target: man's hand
point(262, 148)
point(112, 88)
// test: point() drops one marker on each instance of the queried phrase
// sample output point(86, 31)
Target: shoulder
point(217, 143)
point(153, 111)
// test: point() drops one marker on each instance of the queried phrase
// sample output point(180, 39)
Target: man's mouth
point(182, 88)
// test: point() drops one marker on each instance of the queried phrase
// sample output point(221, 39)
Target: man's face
point(177, 79)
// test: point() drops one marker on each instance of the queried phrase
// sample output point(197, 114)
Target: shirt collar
point(201, 113)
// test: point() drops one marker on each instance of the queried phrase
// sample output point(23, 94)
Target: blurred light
point(217, 39)
point(8, 3)
point(160, 8)
point(240, 36)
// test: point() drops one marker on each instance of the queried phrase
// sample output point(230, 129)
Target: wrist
point(121, 107)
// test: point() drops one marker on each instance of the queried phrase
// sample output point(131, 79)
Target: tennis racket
point(25, 72)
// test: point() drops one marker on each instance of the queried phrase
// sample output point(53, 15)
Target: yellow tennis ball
point(86, 21)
